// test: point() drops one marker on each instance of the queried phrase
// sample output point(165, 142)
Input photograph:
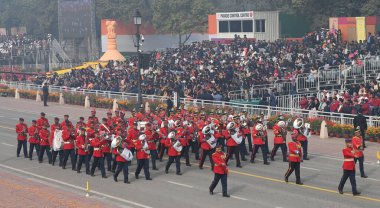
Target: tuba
point(57, 140)
point(298, 123)
point(116, 142)
point(211, 141)
point(306, 130)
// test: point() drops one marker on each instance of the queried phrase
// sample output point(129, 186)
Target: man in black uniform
point(45, 91)
point(361, 121)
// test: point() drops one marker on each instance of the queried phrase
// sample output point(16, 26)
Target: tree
point(181, 17)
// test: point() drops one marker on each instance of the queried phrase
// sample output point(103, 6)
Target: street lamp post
point(137, 20)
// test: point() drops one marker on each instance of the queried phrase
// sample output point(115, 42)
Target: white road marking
point(74, 186)
point(10, 145)
point(340, 159)
point(310, 168)
point(236, 197)
point(180, 184)
point(372, 179)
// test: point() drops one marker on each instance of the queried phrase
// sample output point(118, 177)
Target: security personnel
point(348, 168)
point(279, 130)
point(206, 147)
point(98, 155)
point(258, 140)
point(142, 156)
point(220, 171)
point(82, 144)
point(232, 146)
point(295, 155)
point(22, 134)
point(44, 144)
point(34, 139)
point(358, 147)
point(173, 154)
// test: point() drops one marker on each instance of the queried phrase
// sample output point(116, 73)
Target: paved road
point(255, 185)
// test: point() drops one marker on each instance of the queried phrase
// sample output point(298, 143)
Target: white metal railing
point(237, 107)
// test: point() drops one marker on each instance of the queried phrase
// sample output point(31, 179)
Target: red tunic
point(80, 143)
point(97, 143)
point(164, 133)
point(171, 151)
point(301, 137)
point(219, 159)
point(356, 143)
point(278, 139)
point(68, 141)
point(295, 151)
point(22, 132)
point(44, 136)
point(92, 119)
point(258, 140)
point(204, 145)
point(151, 138)
point(42, 122)
point(133, 135)
point(141, 154)
point(33, 132)
point(348, 163)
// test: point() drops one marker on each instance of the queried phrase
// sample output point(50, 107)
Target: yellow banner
point(360, 28)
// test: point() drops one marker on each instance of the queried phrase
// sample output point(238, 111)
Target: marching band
point(148, 136)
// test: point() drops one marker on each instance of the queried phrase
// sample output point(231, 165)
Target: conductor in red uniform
point(295, 155)
point(348, 168)
point(220, 171)
point(357, 143)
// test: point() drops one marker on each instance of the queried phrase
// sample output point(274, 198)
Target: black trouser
point(243, 149)
point(221, 141)
point(23, 145)
point(154, 155)
point(363, 138)
point(66, 153)
point(195, 148)
point(122, 166)
point(264, 151)
point(46, 97)
point(108, 158)
point(143, 163)
point(283, 150)
point(55, 153)
point(223, 178)
point(304, 148)
point(90, 151)
point(348, 174)
point(162, 151)
point(177, 163)
point(31, 148)
point(204, 154)
point(185, 154)
point(85, 159)
point(233, 150)
point(42, 151)
point(249, 138)
point(98, 161)
point(294, 166)
point(361, 165)
point(114, 164)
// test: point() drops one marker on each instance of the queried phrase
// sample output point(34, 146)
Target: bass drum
point(57, 140)
point(237, 138)
point(127, 154)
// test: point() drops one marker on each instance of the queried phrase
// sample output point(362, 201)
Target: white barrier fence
point(237, 107)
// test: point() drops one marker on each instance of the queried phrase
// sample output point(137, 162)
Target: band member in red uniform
point(234, 138)
point(44, 144)
point(174, 152)
point(122, 163)
point(92, 119)
point(220, 171)
point(68, 145)
point(295, 155)
point(56, 126)
point(358, 147)
point(80, 124)
point(279, 131)
point(82, 144)
point(348, 168)
point(151, 138)
point(208, 143)
point(34, 139)
point(105, 130)
point(97, 143)
point(258, 140)
point(142, 155)
point(42, 121)
point(182, 134)
point(133, 135)
point(163, 133)
point(22, 134)
point(303, 139)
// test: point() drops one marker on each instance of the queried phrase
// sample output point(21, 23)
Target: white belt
point(349, 160)
point(96, 149)
point(66, 142)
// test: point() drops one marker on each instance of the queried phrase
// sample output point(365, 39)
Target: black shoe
point(365, 146)
point(340, 191)
point(39, 161)
point(78, 171)
point(148, 179)
point(271, 159)
point(189, 165)
point(154, 168)
point(244, 159)
point(299, 183)
point(18, 155)
point(200, 167)
point(136, 176)
point(160, 160)
point(52, 164)
point(239, 166)
point(252, 161)
point(364, 176)
point(104, 177)
point(179, 173)
point(266, 163)
point(63, 167)
point(286, 179)
point(211, 192)
point(26, 157)
point(226, 195)
point(30, 158)
point(127, 182)
point(114, 178)
point(356, 193)
point(112, 171)
point(73, 169)
point(88, 172)
point(285, 160)
point(92, 175)
point(166, 171)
